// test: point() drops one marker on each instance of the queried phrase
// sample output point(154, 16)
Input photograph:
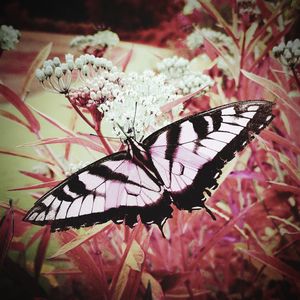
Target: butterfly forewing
point(192, 152)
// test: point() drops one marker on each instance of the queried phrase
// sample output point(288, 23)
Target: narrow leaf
point(283, 187)
point(41, 251)
point(36, 176)
point(12, 117)
point(63, 140)
point(6, 233)
point(274, 263)
point(53, 122)
point(156, 290)
point(14, 153)
point(80, 239)
point(16, 101)
point(37, 62)
point(37, 186)
point(209, 7)
point(274, 88)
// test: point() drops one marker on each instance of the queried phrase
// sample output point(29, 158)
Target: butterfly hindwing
point(113, 188)
point(191, 153)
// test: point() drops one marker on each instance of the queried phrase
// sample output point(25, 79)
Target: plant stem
point(81, 114)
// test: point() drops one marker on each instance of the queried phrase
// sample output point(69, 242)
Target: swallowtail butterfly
point(175, 166)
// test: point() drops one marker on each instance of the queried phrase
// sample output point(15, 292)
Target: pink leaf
point(53, 122)
point(127, 60)
point(16, 101)
point(209, 7)
point(6, 233)
point(167, 107)
point(274, 263)
point(272, 136)
point(283, 187)
point(37, 62)
point(14, 153)
point(274, 88)
point(12, 117)
point(37, 186)
point(36, 176)
point(63, 140)
point(41, 251)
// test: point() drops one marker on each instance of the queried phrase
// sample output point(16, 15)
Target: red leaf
point(37, 62)
point(6, 233)
point(63, 140)
point(36, 176)
point(53, 122)
point(14, 153)
point(283, 187)
point(16, 101)
point(38, 186)
point(127, 59)
point(274, 263)
point(12, 117)
point(41, 251)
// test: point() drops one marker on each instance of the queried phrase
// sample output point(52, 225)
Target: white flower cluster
point(101, 39)
point(137, 105)
point(58, 75)
point(130, 101)
point(196, 38)
point(248, 7)
point(288, 53)
point(190, 5)
point(179, 73)
point(9, 37)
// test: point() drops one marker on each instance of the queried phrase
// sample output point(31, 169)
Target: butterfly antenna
point(209, 212)
point(107, 137)
point(133, 123)
point(122, 129)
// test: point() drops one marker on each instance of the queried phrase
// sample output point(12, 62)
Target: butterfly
point(176, 166)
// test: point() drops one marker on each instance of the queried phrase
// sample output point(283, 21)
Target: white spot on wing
point(213, 144)
point(225, 137)
point(63, 210)
point(41, 216)
point(248, 114)
point(66, 189)
point(47, 201)
point(210, 126)
point(187, 133)
point(75, 208)
point(253, 107)
point(228, 111)
point(230, 128)
point(208, 154)
point(236, 120)
point(99, 203)
point(87, 205)
point(90, 181)
point(131, 200)
point(32, 216)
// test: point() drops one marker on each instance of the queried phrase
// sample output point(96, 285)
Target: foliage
point(250, 252)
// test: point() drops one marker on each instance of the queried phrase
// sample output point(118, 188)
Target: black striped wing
point(191, 153)
point(113, 188)
point(188, 155)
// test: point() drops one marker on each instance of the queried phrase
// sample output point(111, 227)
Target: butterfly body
point(177, 165)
